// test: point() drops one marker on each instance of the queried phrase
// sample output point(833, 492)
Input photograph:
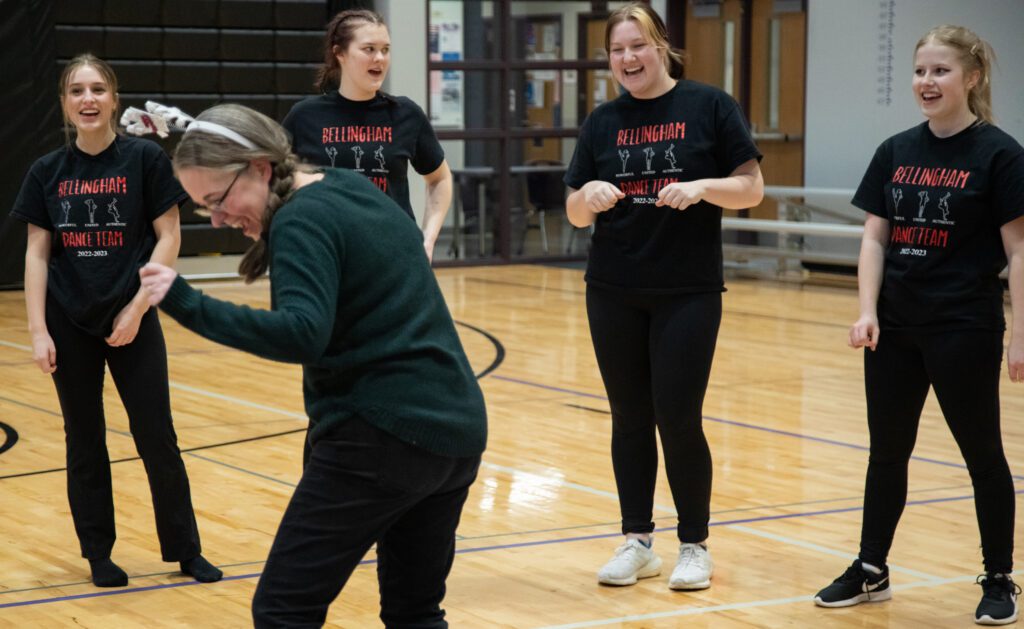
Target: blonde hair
point(105, 71)
point(200, 149)
point(653, 29)
point(975, 55)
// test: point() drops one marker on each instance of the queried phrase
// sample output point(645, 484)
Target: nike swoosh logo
point(871, 587)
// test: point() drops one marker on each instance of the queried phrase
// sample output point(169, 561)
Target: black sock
point(201, 569)
point(107, 574)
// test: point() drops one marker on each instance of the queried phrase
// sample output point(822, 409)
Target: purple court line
point(480, 549)
point(147, 588)
point(731, 422)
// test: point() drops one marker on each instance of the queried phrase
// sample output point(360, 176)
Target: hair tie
point(159, 119)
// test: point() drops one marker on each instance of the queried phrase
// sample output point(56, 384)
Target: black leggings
point(654, 353)
point(963, 367)
point(139, 370)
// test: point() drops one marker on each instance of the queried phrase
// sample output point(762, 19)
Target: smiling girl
point(944, 203)
point(97, 210)
point(354, 125)
point(652, 171)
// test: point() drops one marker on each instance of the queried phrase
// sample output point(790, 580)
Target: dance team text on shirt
point(645, 191)
point(920, 239)
point(93, 243)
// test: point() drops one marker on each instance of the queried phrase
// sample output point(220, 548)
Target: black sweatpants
point(655, 353)
point(139, 371)
point(362, 486)
point(963, 367)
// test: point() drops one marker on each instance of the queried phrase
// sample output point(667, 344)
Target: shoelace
point(628, 549)
point(688, 555)
point(853, 574)
point(998, 588)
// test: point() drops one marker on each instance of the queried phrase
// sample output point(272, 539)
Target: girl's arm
point(37, 261)
point(168, 242)
point(439, 197)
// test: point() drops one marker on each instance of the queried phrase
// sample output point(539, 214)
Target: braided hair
point(340, 32)
point(203, 149)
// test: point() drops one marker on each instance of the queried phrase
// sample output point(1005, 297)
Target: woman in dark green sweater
point(397, 420)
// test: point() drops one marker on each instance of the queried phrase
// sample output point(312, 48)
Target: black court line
point(27, 405)
point(499, 358)
point(481, 280)
point(194, 449)
point(499, 349)
point(775, 431)
point(587, 408)
point(10, 437)
point(758, 315)
point(741, 313)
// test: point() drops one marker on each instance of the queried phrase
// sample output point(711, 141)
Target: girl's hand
point(600, 196)
point(680, 195)
point(1015, 358)
point(126, 325)
point(865, 332)
point(44, 353)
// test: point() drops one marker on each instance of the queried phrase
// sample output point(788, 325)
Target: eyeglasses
point(214, 208)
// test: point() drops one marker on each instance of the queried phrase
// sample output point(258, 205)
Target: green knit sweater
point(353, 299)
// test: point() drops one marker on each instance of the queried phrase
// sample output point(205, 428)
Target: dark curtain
point(336, 6)
point(30, 112)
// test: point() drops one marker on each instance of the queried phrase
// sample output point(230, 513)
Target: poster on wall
point(447, 88)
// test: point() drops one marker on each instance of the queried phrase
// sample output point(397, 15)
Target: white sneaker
point(632, 561)
point(693, 569)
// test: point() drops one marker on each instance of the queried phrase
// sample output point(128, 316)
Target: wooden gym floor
point(784, 416)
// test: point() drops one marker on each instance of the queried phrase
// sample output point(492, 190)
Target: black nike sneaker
point(857, 585)
point(998, 604)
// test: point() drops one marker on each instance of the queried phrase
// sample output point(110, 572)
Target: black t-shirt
point(378, 138)
point(945, 200)
point(693, 131)
point(100, 210)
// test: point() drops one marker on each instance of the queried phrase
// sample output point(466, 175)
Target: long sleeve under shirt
point(354, 300)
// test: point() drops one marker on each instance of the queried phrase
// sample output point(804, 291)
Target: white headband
point(159, 118)
point(217, 129)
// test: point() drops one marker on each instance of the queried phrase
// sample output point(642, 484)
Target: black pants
point(654, 353)
point(139, 370)
point(963, 367)
point(362, 486)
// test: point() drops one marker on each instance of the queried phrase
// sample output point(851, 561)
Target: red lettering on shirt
point(76, 239)
point(355, 134)
point(932, 177)
point(921, 236)
point(650, 134)
point(634, 188)
point(103, 185)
